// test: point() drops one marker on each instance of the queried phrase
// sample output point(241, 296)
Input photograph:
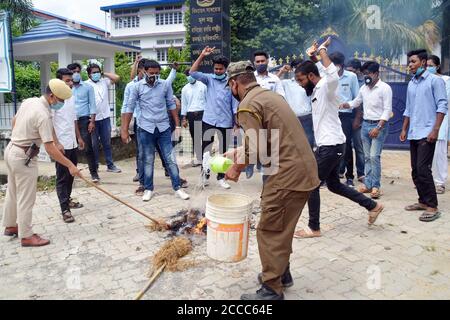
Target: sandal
point(75, 204)
point(440, 189)
point(373, 215)
point(376, 194)
point(307, 233)
point(67, 217)
point(363, 189)
point(430, 216)
point(416, 207)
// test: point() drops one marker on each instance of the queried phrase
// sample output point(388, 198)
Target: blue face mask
point(432, 70)
point(191, 80)
point(262, 68)
point(96, 76)
point(76, 77)
point(220, 77)
point(57, 106)
point(420, 71)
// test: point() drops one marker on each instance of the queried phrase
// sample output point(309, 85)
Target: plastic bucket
point(228, 227)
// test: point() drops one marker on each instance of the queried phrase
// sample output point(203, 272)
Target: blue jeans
point(353, 141)
point(308, 126)
point(372, 154)
point(102, 134)
point(148, 142)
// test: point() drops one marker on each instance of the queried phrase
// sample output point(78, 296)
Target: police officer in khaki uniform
point(32, 126)
point(271, 128)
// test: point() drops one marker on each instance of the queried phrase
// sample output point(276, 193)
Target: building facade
point(155, 26)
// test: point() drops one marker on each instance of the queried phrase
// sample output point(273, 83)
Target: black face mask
point(368, 80)
point(309, 89)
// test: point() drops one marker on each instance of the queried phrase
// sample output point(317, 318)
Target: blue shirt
point(220, 105)
point(426, 97)
point(348, 88)
point(153, 103)
point(85, 104)
point(126, 96)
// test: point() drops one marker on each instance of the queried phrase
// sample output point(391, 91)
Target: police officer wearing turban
point(31, 128)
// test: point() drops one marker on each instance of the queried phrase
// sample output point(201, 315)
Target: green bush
point(28, 81)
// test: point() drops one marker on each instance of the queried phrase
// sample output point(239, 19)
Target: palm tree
point(405, 24)
point(22, 15)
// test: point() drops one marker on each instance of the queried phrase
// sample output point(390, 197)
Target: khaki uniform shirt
point(33, 123)
point(290, 164)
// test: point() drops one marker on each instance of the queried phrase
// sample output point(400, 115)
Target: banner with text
point(210, 26)
point(5, 59)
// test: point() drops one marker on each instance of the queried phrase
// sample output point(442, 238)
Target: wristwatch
point(379, 127)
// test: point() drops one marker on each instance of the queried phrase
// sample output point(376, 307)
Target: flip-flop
point(306, 233)
point(373, 215)
point(430, 216)
point(415, 207)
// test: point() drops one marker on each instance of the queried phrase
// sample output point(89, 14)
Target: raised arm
point(206, 52)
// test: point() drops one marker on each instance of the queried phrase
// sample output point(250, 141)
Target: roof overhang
point(140, 4)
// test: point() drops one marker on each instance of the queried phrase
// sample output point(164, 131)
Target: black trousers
point(196, 131)
point(422, 154)
point(224, 135)
point(64, 180)
point(83, 124)
point(328, 161)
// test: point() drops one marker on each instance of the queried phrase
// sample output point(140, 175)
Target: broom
point(161, 223)
point(167, 257)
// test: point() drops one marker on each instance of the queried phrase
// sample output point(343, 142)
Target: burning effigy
point(184, 223)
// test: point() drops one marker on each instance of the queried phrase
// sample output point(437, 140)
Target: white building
point(154, 26)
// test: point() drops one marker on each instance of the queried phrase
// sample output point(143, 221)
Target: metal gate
point(399, 90)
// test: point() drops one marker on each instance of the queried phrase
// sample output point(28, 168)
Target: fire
point(199, 228)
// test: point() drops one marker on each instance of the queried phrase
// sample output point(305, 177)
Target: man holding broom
point(271, 127)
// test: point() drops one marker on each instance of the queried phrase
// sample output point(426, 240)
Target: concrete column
point(45, 74)
point(2, 98)
point(64, 57)
point(109, 67)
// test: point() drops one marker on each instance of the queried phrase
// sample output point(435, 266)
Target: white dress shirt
point(297, 98)
point(101, 90)
point(377, 101)
point(64, 124)
point(325, 109)
point(193, 97)
point(270, 82)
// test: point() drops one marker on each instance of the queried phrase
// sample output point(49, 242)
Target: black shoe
point(136, 178)
point(265, 293)
point(95, 178)
point(166, 173)
point(286, 279)
point(350, 183)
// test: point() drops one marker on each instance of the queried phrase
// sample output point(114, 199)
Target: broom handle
point(150, 282)
point(121, 201)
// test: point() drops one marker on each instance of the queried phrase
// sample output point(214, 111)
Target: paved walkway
point(105, 254)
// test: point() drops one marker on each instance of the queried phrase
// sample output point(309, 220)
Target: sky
point(87, 11)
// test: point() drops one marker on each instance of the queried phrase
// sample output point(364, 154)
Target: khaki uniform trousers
point(281, 211)
point(21, 191)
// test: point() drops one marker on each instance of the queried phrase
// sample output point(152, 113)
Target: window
point(132, 56)
point(169, 15)
point(125, 19)
point(169, 42)
point(162, 54)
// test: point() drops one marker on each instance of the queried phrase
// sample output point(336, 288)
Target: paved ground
point(105, 254)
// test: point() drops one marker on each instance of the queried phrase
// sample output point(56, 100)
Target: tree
point(279, 27)
point(22, 15)
point(403, 24)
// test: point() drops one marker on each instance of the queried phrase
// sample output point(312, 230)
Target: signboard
point(210, 26)
point(5, 59)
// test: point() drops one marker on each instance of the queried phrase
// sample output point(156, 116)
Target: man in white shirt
point(376, 96)
point(193, 101)
point(101, 87)
point(67, 139)
point(265, 79)
point(330, 138)
point(298, 100)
